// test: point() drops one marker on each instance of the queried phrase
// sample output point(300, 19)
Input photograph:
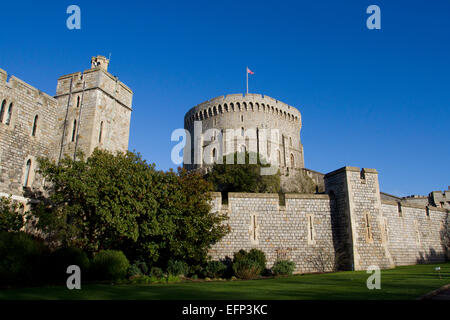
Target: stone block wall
point(413, 235)
point(17, 142)
point(350, 219)
point(282, 232)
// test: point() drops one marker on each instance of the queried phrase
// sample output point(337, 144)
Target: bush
point(63, 257)
point(138, 268)
point(246, 269)
point(283, 267)
point(172, 279)
point(258, 256)
point(177, 268)
point(215, 269)
point(156, 272)
point(254, 255)
point(21, 259)
point(110, 265)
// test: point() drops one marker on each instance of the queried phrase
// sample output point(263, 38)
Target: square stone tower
point(357, 217)
point(94, 110)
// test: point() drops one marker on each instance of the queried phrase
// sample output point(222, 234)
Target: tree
point(120, 202)
point(242, 177)
point(11, 219)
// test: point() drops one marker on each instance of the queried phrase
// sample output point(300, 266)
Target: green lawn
point(400, 283)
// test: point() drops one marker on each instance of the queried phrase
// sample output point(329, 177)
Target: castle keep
point(90, 109)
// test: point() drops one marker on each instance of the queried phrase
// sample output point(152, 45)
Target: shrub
point(21, 258)
point(172, 279)
point(156, 272)
point(63, 257)
point(283, 267)
point(215, 269)
point(246, 269)
point(110, 265)
point(254, 255)
point(258, 256)
point(177, 268)
point(140, 279)
point(138, 268)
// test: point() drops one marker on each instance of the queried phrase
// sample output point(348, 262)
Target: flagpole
point(246, 74)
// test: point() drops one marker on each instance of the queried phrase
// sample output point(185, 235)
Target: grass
point(408, 282)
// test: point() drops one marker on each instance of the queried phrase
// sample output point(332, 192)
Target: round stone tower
point(237, 122)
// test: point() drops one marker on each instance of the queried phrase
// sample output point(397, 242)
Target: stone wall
point(414, 232)
point(282, 232)
point(349, 220)
point(18, 143)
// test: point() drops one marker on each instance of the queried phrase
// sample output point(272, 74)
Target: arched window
point(242, 148)
point(292, 160)
point(242, 131)
point(100, 132)
point(74, 130)
point(9, 114)
point(2, 110)
point(214, 154)
point(33, 131)
point(27, 173)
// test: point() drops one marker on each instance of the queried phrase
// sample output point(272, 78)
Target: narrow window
point(9, 114)
point(310, 228)
point(254, 228)
point(292, 160)
point(100, 133)
point(74, 130)
point(427, 210)
point(27, 173)
point(368, 227)
point(290, 142)
point(214, 154)
point(33, 132)
point(242, 118)
point(78, 101)
point(2, 110)
point(311, 233)
point(399, 208)
point(242, 131)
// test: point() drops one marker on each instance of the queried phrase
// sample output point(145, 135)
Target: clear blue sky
point(368, 98)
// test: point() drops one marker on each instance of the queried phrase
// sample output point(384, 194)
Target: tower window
point(74, 130)
point(2, 110)
point(9, 114)
point(292, 160)
point(78, 101)
point(100, 132)
point(242, 131)
point(242, 118)
point(214, 154)
point(33, 132)
point(399, 208)
point(27, 173)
